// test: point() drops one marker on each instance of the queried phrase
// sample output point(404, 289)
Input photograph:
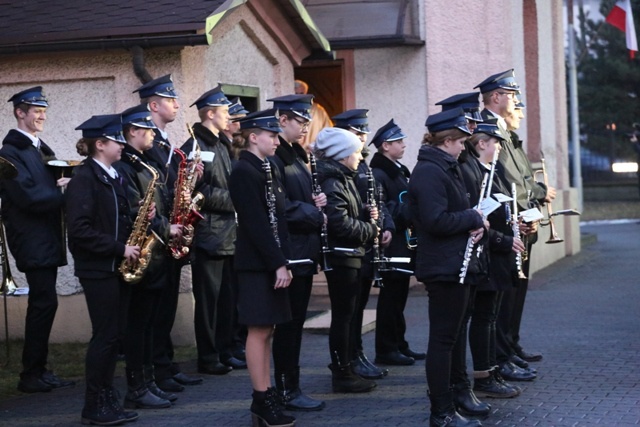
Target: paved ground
point(583, 313)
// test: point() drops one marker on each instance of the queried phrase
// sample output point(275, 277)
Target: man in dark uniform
point(161, 96)
point(31, 211)
point(215, 235)
point(304, 219)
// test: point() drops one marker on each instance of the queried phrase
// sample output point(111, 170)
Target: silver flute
point(516, 229)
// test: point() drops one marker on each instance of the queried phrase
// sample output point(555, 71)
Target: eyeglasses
point(511, 95)
point(304, 124)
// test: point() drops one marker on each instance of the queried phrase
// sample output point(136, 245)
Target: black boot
point(266, 411)
point(113, 397)
point(97, 411)
point(363, 367)
point(489, 386)
point(344, 380)
point(288, 387)
point(443, 413)
point(150, 381)
point(467, 403)
point(139, 396)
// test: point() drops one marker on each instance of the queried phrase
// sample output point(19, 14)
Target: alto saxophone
point(132, 272)
point(186, 206)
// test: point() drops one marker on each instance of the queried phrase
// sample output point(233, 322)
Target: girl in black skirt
point(261, 258)
point(98, 226)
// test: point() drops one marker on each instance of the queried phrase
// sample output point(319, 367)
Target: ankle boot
point(113, 397)
point(150, 381)
point(288, 388)
point(266, 412)
point(467, 403)
point(361, 366)
point(139, 396)
point(97, 411)
point(443, 413)
point(344, 380)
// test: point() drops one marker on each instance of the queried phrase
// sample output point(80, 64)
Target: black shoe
point(498, 378)
point(184, 379)
point(511, 372)
point(467, 403)
point(235, 363)
point(490, 387)
point(394, 358)
point(33, 385)
point(451, 419)
point(416, 356)
point(240, 354)
point(295, 400)
point(169, 385)
point(367, 362)
point(98, 411)
point(54, 381)
point(370, 372)
point(522, 364)
point(266, 410)
point(343, 380)
point(112, 397)
point(216, 368)
point(138, 395)
point(529, 357)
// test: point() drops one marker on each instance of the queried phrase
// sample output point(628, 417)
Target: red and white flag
point(622, 18)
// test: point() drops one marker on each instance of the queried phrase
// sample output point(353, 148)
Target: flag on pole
point(622, 18)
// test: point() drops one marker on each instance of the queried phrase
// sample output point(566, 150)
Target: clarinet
point(371, 201)
point(323, 231)
point(516, 229)
point(271, 208)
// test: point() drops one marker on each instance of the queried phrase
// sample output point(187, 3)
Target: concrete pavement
point(582, 313)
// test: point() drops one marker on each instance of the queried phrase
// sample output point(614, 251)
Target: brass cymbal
point(7, 169)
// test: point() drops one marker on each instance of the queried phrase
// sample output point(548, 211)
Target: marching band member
point(349, 225)
point(262, 249)
point(99, 224)
point(443, 220)
point(31, 212)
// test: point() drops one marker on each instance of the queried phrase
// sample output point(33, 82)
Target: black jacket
point(31, 205)
point(441, 215)
point(256, 246)
point(348, 222)
point(158, 155)
point(99, 221)
point(216, 233)
point(394, 179)
point(303, 217)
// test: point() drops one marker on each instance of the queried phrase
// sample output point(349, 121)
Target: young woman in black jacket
point(349, 225)
point(99, 223)
point(444, 221)
point(262, 249)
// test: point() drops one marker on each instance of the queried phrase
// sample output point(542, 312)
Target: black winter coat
point(303, 217)
point(394, 179)
point(31, 205)
point(98, 221)
point(216, 233)
point(441, 215)
point(348, 222)
point(158, 156)
point(256, 246)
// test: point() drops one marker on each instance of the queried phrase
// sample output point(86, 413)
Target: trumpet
point(63, 169)
point(553, 234)
point(409, 233)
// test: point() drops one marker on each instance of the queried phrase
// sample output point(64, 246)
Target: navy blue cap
point(31, 96)
point(162, 86)
point(467, 101)
point(211, 98)
point(450, 119)
point(105, 126)
point(387, 133)
point(489, 128)
point(138, 116)
point(355, 119)
point(265, 119)
point(519, 104)
point(299, 105)
point(504, 80)
point(236, 107)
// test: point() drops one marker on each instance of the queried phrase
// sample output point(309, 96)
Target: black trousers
point(163, 324)
point(482, 330)
point(229, 333)
point(107, 303)
point(362, 298)
point(138, 340)
point(447, 306)
point(207, 283)
point(344, 289)
point(518, 305)
point(287, 338)
point(390, 322)
point(459, 377)
point(41, 311)
point(504, 343)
